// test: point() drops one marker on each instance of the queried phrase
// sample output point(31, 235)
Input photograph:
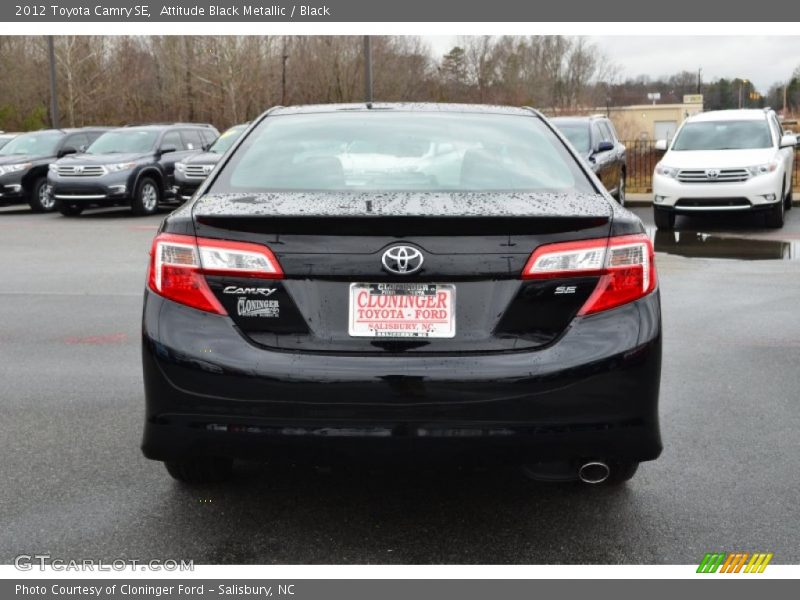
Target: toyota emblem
point(712, 173)
point(402, 260)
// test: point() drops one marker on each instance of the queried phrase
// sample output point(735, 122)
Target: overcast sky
point(761, 59)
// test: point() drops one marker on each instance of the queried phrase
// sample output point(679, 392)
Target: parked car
point(192, 171)
point(725, 161)
point(507, 309)
point(129, 166)
point(596, 140)
point(6, 137)
point(25, 159)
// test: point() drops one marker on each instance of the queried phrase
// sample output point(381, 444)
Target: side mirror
point(788, 141)
point(605, 146)
point(168, 149)
point(67, 150)
point(661, 144)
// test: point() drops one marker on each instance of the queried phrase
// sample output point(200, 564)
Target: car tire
point(40, 200)
point(621, 471)
point(789, 199)
point(776, 215)
point(620, 195)
point(146, 197)
point(664, 219)
point(200, 470)
point(70, 210)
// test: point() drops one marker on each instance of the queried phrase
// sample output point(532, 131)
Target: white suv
point(726, 160)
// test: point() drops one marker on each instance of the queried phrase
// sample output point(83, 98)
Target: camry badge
point(402, 260)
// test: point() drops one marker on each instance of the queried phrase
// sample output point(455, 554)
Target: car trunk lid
point(473, 245)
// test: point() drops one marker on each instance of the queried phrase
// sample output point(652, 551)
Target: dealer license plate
point(399, 310)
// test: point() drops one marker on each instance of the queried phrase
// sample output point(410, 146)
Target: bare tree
point(228, 79)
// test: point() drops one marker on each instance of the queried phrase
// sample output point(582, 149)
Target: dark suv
point(130, 166)
point(192, 171)
point(24, 161)
point(596, 140)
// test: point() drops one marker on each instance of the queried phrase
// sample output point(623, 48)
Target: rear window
point(401, 151)
point(723, 135)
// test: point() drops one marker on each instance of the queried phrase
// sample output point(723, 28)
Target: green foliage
point(35, 119)
point(7, 117)
point(454, 66)
point(11, 120)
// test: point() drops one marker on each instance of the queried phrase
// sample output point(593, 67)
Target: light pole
point(367, 70)
point(785, 87)
point(742, 83)
point(285, 57)
point(53, 91)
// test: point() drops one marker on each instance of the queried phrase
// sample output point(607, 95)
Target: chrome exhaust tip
point(594, 472)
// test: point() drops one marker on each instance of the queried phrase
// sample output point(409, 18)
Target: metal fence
point(642, 157)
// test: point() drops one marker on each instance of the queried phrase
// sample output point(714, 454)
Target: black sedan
point(395, 280)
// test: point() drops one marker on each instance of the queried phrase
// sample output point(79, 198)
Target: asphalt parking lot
point(76, 486)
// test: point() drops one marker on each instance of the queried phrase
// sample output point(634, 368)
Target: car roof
point(165, 127)
point(430, 107)
point(84, 129)
point(578, 119)
point(144, 128)
point(66, 130)
point(744, 114)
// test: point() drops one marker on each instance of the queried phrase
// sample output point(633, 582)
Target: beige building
point(653, 121)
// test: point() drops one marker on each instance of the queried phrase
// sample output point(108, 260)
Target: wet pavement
point(735, 236)
point(700, 244)
point(77, 486)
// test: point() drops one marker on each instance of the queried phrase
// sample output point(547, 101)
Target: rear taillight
point(179, 263)
point(625, 265)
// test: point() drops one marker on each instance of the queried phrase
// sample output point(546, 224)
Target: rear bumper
point(594, 393)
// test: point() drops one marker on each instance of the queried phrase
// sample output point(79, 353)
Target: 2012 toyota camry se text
point(391, 279)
